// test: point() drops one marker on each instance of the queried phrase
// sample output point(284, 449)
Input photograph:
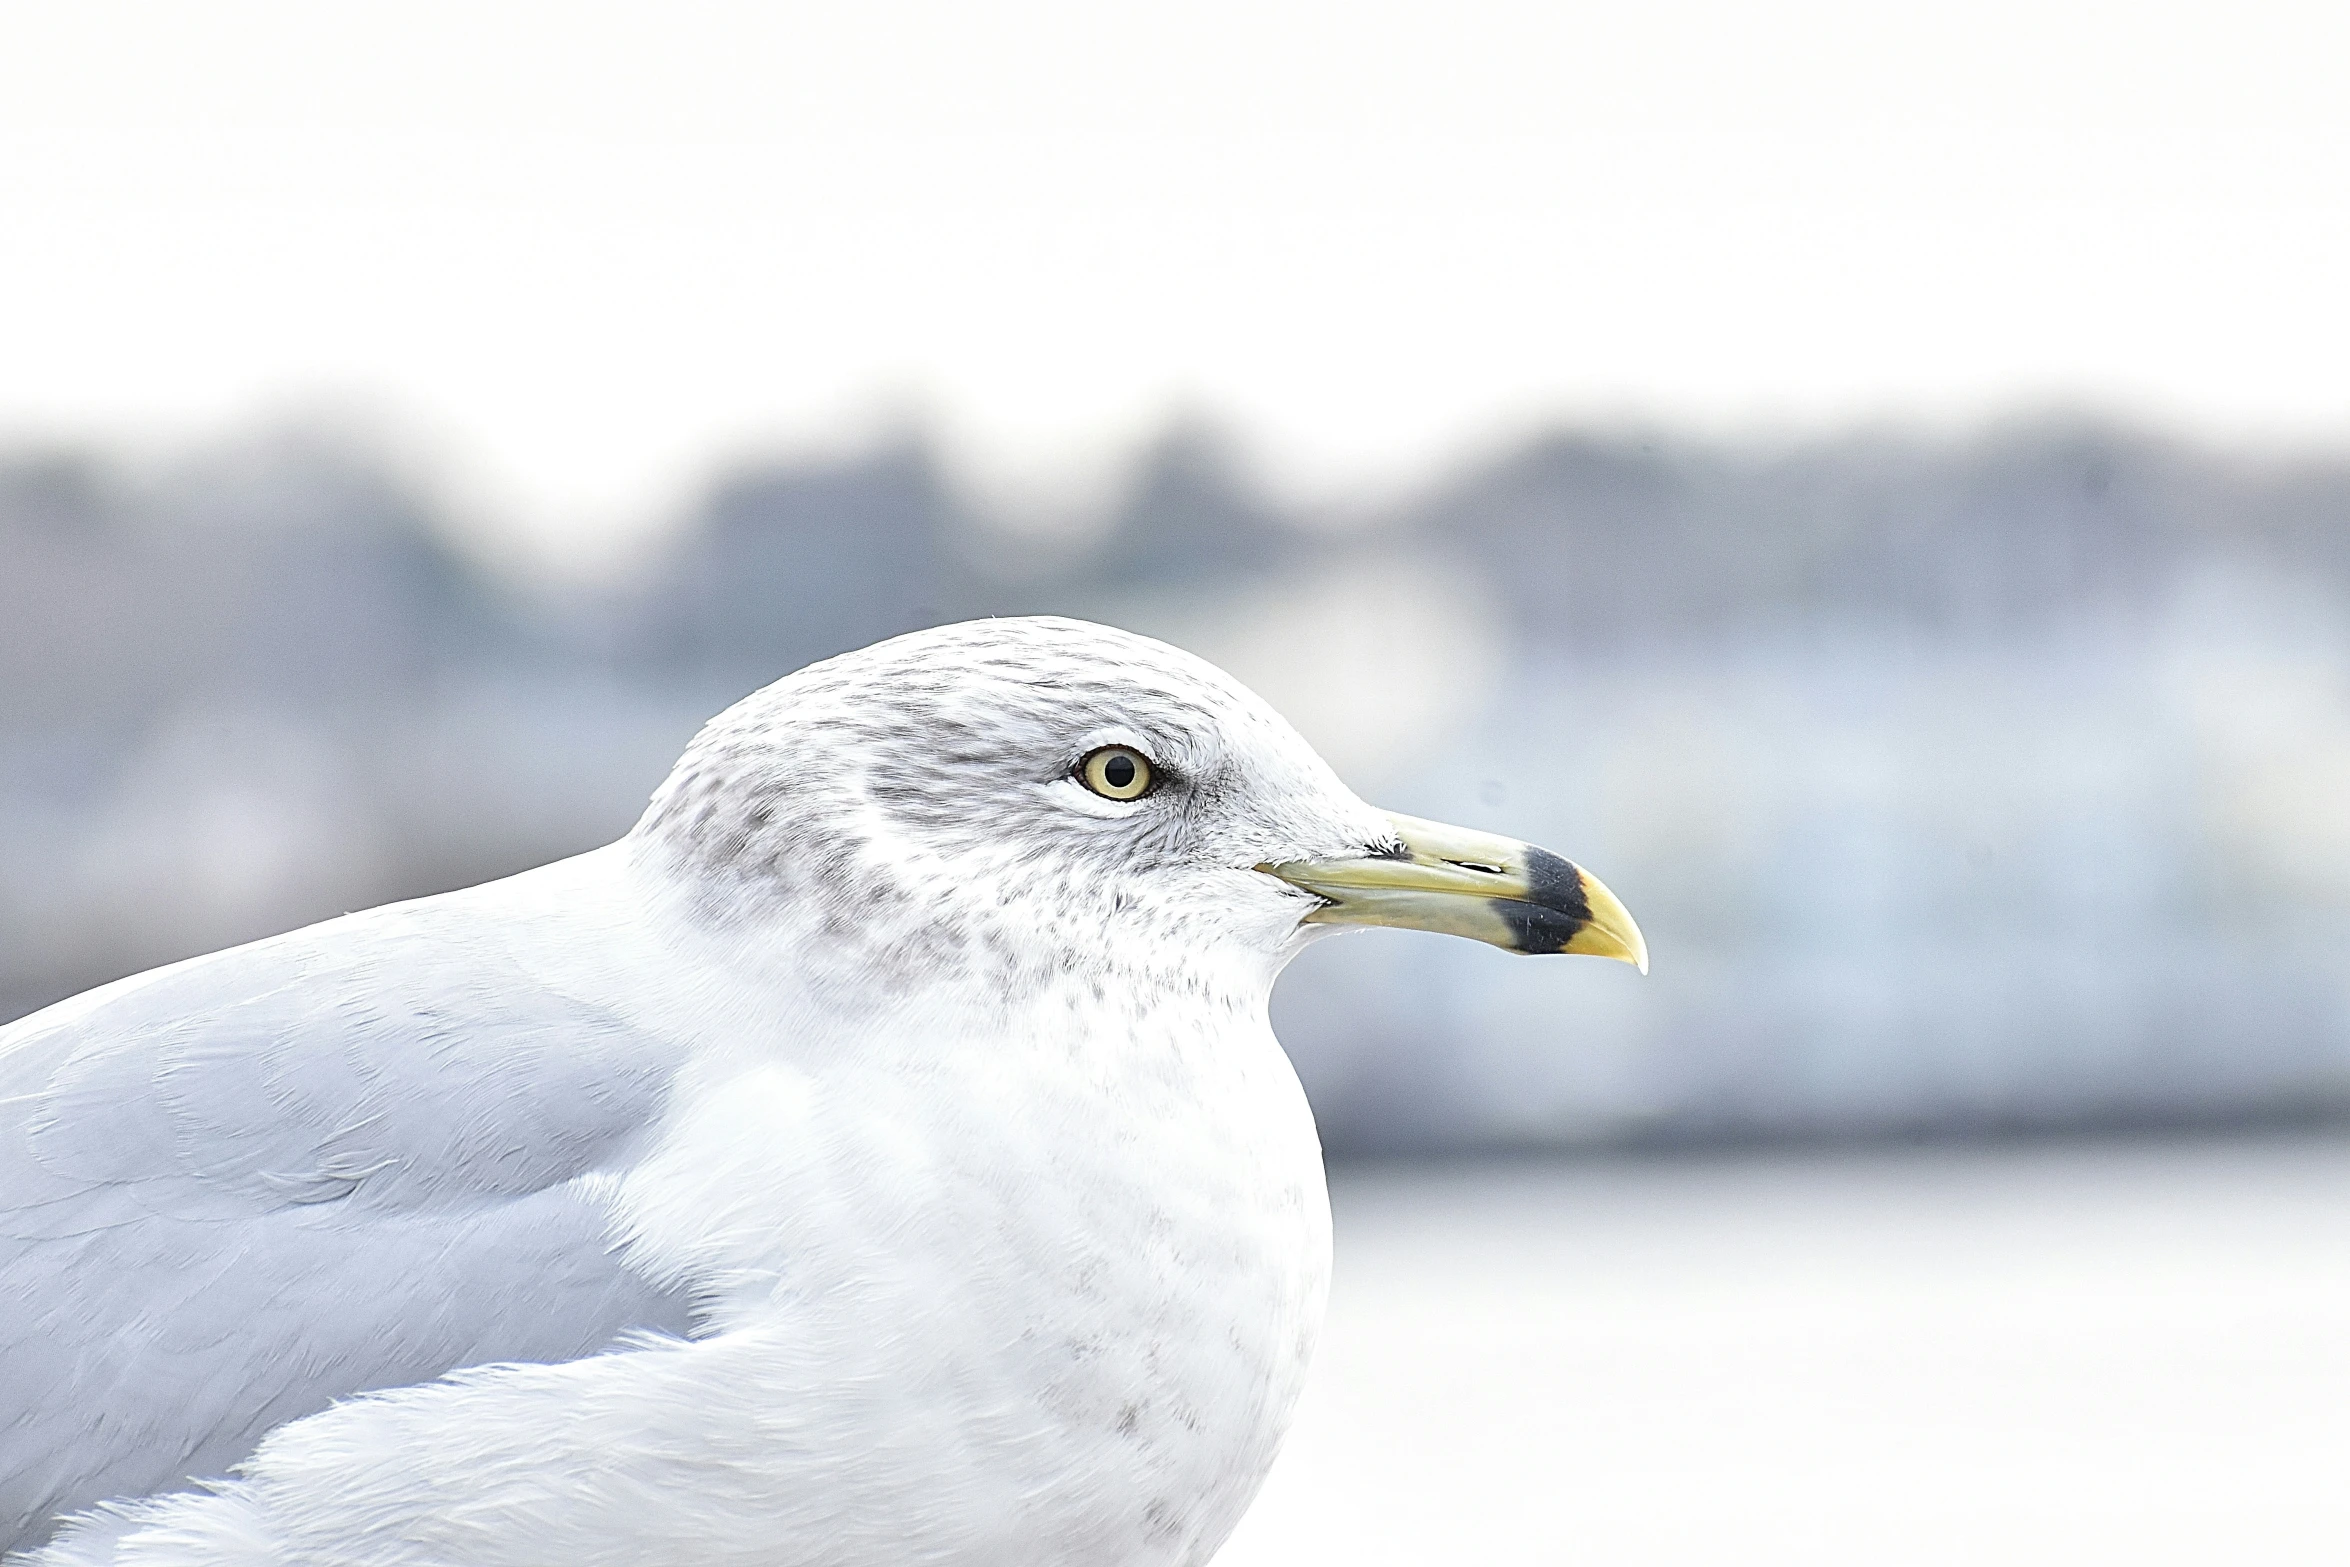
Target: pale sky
point(581, 253)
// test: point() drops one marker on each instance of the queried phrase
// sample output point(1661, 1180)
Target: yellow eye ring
point(1116, 772)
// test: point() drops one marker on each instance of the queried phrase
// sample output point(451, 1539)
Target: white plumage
point(879, 1156)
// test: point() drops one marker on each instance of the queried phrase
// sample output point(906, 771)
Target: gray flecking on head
point(943, 773)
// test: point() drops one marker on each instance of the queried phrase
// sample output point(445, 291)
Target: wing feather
point(358, 1156)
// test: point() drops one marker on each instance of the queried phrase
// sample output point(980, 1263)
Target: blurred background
point(1874, 487)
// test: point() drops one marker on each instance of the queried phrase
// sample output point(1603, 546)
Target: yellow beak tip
point(1611, 932)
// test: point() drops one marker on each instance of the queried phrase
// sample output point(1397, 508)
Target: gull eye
point(1116, 772)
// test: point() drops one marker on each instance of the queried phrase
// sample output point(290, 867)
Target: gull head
point(1043, 795)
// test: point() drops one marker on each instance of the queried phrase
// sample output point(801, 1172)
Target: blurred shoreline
point(1971, 786)
point(2321, 1127)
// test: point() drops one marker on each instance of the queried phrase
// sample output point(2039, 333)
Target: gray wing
point(345, 1159)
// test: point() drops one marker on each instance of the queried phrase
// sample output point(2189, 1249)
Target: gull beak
point(1473, 884)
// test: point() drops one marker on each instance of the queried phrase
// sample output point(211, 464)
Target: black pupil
point(1118, 771)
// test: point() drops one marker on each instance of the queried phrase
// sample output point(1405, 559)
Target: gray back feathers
point(344, 1159)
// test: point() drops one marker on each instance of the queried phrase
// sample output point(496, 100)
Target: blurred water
point(2117, 1352)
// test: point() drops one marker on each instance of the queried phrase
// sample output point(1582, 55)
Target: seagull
point(880, 1155)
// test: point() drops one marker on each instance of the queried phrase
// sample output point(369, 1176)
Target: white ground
point(2122, 1353)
